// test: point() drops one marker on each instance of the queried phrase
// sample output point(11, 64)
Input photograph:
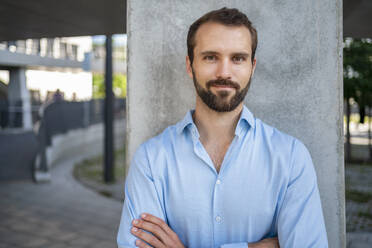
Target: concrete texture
point(357, 18)
point(8, 58)
point(54, 18)
point(18, 95)
point(12, 165)
point(297, 86)
point(83, 141)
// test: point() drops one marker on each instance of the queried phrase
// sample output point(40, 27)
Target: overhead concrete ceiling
point(25, 19)
point(357, 18)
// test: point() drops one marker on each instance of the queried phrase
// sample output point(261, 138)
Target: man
point(221, 177)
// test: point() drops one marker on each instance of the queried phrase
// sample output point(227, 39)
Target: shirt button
point(218, 218)
point(218, 181)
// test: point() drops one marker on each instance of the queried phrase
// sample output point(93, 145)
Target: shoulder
point(281, 145)
point(273, 137)
point(287, 155)
point(160, 142)
point(153, 151)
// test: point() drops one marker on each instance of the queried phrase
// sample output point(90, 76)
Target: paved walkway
point(358, 213)
point(359, 240)
point(62, 213)
point(358, 179)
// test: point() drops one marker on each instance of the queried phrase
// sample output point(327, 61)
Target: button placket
point(218, 219)
point(217, 211)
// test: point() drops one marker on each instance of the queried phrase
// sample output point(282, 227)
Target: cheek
point(207, 72)
point(243, 73)
point(204, 72)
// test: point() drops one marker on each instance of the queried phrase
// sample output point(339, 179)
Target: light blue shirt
point(266, 187)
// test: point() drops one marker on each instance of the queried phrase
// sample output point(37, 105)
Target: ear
point(188, 67)
point(253, 66)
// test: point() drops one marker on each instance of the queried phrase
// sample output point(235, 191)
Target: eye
point(210, 57)
point(238, 59)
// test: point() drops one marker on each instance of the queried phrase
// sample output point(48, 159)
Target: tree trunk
point(362, 113)
point(369, 132)
point(348, 144)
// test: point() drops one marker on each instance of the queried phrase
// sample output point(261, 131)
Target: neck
point(215, 126)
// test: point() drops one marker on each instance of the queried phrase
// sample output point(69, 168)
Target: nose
point(224, 69)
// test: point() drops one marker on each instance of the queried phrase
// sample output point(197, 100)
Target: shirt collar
point(246, 120)
point(187, 120)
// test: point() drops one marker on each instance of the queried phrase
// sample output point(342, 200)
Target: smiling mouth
point(223, 86)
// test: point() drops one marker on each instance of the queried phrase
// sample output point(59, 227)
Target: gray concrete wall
point(297, 86)
point(14, 167)
point(19, 94)
point(10, 59)
point(84, 142)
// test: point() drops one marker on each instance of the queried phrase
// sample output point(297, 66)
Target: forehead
point(218, 37)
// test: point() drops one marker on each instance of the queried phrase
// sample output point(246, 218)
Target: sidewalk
point(358, 182)
point(62, 213)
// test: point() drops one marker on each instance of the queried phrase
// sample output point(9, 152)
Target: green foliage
point(358, 71)
point(92, 169)
point(358, 196)
point(365, 215)
point(119, 85)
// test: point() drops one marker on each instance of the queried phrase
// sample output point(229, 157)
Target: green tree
point(357, 82)
point(119, 85)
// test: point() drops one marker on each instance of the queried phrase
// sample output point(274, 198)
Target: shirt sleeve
point(140, 196)
point(300, 219)
point(235, 245)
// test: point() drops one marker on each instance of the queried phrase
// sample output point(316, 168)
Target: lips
point(223, 84)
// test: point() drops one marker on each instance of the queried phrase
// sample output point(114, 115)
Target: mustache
point(222, 82)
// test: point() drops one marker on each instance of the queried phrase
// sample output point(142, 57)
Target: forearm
point(265, 243)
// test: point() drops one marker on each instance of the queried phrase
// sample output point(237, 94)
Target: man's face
point(222, 66)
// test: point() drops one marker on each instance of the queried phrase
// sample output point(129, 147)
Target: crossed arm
point(151, 230)
point(299, 222)
point(159, 235)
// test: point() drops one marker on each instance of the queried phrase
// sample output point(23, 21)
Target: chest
point(241, 200)
point(217, 152)
point(239, 203)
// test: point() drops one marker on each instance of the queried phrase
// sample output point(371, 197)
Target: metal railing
point(50, 119)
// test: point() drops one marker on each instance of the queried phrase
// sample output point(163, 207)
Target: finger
point(147, 237)
point(157, 221)
point(274, 242)
point(152, 228)
point(141, 244)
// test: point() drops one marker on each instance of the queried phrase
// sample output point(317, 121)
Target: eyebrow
point(244, 54)
point(209, 53)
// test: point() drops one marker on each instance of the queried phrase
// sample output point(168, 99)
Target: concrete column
point(19, 98)
point(297, 86)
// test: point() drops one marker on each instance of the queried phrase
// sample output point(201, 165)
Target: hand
point(265, 243)
point(160, 236)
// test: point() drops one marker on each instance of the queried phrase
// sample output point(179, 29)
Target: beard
point(220, 102)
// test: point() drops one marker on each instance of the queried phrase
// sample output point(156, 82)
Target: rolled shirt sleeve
point(300, 219)
point(140, 196)
point(235, 245)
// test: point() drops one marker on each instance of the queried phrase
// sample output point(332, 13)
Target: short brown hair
point(224, 16)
